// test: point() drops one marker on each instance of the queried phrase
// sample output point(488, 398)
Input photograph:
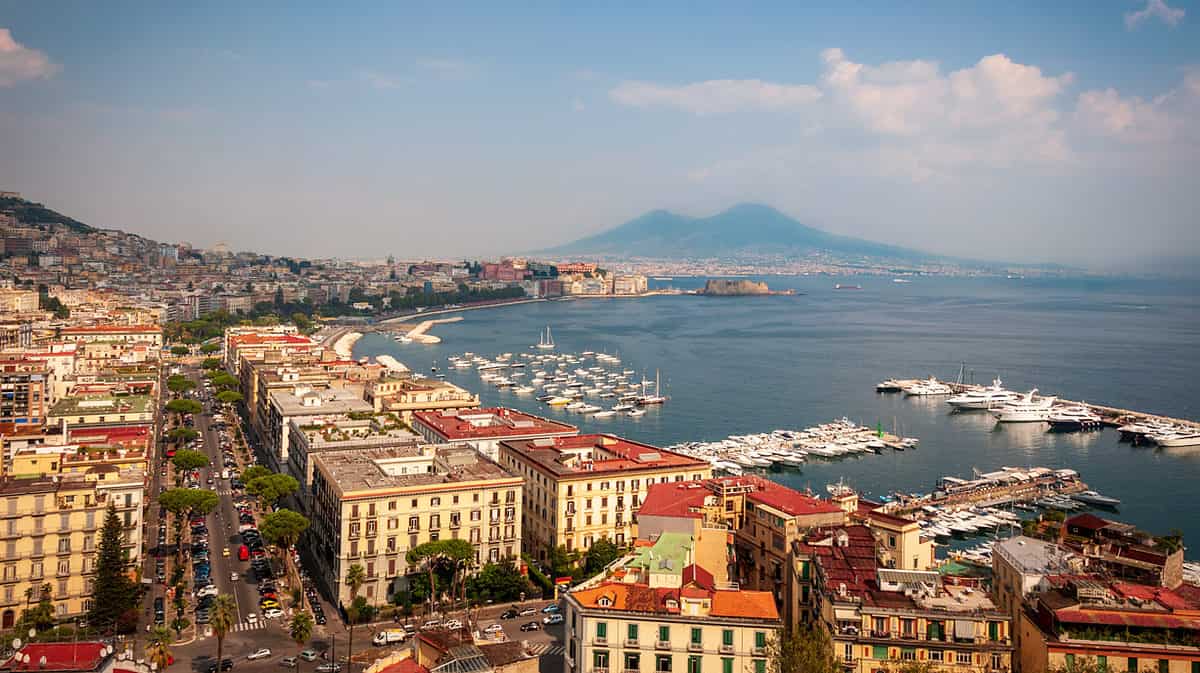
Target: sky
point(1066, 131)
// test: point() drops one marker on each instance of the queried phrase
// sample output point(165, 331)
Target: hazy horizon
point(1024, 133)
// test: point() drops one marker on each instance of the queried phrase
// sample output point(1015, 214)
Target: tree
point(229, 397)
point(356, 576)
point(158, 648)
point(1088, 665)
point(911, 667)
point(272, 487)
point(182, 501)
point(179, 624)
point(178, 383)
point(210, 348)
point(284, 527)
point(211, 363)
point(498, 582)
point(254, 472)
point(221, 618)
point(113, 593)
point(806, 650)
point(224, 380)
point(601, 553)
point(180, 350)
point(185, 406)
point(186, 460)
point(300, 628)
point(40, 616)
point(562, 561)
point(451, 554)
point(301, 321)
point(182, 434)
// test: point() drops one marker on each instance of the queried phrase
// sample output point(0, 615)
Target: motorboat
point(1094, 498)
point(889, 386)
point(929, 387)
point(606, 413)
point(1176, 439)
point(1028, 409)
point(545, 340)
point(558, 401)
point(636, 412)
point(983, 398)
point(1073, 418)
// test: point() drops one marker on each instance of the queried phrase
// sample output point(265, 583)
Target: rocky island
point(719, 287)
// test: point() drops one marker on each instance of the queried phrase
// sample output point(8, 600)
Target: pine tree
point(113, 593)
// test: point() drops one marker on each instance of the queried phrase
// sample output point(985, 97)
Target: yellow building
point(50, 528)
point(100, 410)
point(406, 394)
point(583, 488)
point(371, 505)
point(693, 627)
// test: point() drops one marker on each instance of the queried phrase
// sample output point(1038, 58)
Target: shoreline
point(344, 346)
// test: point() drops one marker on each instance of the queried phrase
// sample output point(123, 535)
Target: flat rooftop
point(379, 429)
point(1033, 556)
point(398, 467)
point(491, 423)
point(311, 402)
point(598, 454)
point(85, 405)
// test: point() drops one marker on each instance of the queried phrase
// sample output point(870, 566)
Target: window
point(1099, 662)
point(693, 665)
point(879, 652)
point(993, 630)
point(727, 637)
point(602, 630)
point(435, 501)
point(760, 666)
point(631, 633)
point(600, 659)
point(664, 634)
point(1131, 665)
point(633, 662)
point(908, 654)
point(760, 639)
point(726, 665)
point(848, 652)
point(1164, 666)
point(935, 655)
point(662, 663)
point(962, 658)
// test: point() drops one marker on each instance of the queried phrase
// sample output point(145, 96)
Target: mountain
point(35, 213)
point(748, 228)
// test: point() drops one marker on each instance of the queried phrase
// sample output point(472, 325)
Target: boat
point(983, 398)
point(604, 414)
point(1176, 439)
point(1094, 498)
point(558, 401)
point(1025, 410)
point(839, 286)
point(637, 412)
point(545, 340)
point(656, 398)
point(838, 489)
point(524, 389)
point(1073, 418)
point(931, 386)
point(889, 386)
point(572, 406)
point(588, 409)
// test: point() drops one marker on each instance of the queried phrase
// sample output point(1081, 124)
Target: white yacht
point(545, 340)
point(1073, 418)
point(1028, 409)
point(1177, 439)
point(983, 398)
point(930, 387)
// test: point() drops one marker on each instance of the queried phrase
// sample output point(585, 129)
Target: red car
point(243, 553)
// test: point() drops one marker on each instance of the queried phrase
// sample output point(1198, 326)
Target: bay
point(738, 365)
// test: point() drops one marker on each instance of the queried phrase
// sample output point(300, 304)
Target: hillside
point(35, 213)
point(741, 230)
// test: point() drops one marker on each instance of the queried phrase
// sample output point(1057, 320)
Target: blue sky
point(1059, 131)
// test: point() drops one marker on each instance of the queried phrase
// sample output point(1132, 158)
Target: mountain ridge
point(743, 229)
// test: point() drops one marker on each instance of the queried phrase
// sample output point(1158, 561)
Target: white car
point(261, 653)
point(452, 624)
point(252, 618)
point(233, 577)
point(210, 590)
point(272, 613)
point(493, 628)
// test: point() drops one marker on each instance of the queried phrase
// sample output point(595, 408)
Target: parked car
point(452, 624)
point(553, 607)
point(272, 613)
point(309, 655)
point(493, 628)
point(261, 653)
point(510, 613)
point(430, 625)
point(553, 619)
point(226, 665)
point(525, 612)
point(329, 668)
point(531, 626)
point(288, 662)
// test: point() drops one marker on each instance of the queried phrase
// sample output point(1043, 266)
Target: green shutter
point(664, 633)
point(760, 639)
point(693, 664)
point(696, 636)
point(601, 629)
point(994, 630)
point(726, 665)
point(760, 666)
point(632, 632)
point(1070, 662)
point(1132, 665)
point(879, 652)
point(727, 637)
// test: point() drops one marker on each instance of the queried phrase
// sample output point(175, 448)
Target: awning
point(964, 628)
point(845, 614)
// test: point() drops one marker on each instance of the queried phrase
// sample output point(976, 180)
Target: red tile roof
point(674, 500)
point(1077, 615)
point(407, 665)
point(264, 339)
point(744, 604)
point(641, 598)
point(490, 423)
point(610, 454)
point(1087, 521)
point(791, 502)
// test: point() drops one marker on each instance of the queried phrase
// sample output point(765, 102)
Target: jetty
point(420, 334)
point(1003, 486)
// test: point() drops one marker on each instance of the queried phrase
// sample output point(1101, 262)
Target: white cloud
point(1131, 119)
point(1157, 9)
point(717, 96)
point(19, 63)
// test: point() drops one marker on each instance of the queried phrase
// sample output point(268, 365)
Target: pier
point(995, 488)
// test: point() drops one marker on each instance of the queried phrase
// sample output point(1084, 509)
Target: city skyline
point(1020, 133)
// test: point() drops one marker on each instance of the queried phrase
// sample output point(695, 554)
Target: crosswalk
point(546, 649)
point(248, 626)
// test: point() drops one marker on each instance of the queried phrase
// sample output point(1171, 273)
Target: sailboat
point(545, 340)
point(656, 398)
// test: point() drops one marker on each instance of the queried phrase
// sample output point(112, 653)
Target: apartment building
point(370, 506)
point(882, 617)
point(484, 429)
point(674, 620)
point(18, 301)
point(23, 390)
point(100, 410)
point(147, 335)
point(50, 528)
point(303, 403)
point(582, 488)
point(406, 394)
point(339, 433)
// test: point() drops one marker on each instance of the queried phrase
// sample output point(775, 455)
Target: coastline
point(344, 346)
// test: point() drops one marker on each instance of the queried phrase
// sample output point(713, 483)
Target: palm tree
point(300, 628)
point(158, 647)
point(222, 618)
point(356, 576)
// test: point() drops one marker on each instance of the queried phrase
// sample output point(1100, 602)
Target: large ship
point(1028, 409)
point(983, 398)
point(545, 340)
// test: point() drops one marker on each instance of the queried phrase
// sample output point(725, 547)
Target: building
point(629, 284)
point(101, 409)
point(582, 488)
point(576, 267)
point(51, 524)
point(1121, 626)
point(149, 335)
point(14, 335)
point(320, 435)
point(370, 506)
point(455, 651)
point(23, 391)
point(303, 403)
point(484, 429)
point(684, 621)
point(18, 301)
point(406, 394)
point(73, 657)
point(880, 617)
point(1020, 566)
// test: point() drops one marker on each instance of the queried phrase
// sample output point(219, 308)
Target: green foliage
point(498, 582)
point(806, 650)
point(211, 363)
point(419, 298)
point(158, 646)
point(178, 383)
point(182, 434)
point(539, 579)
point(184, 407)
point(186, 460)
point(52, 304)
point(284, 527)
point(300, 627)
point(210, 348)
point(113, 593)
point(254, 472)
point(360, 611)
point(1056, 515)
point(180, 350)
point(563, 562)
point(224, 380)
point(29, 211)
point(911, 667)
point(179, 624)
point(270, 488)
point(599, 555)
point(39, 616)
point(180, 501)
point(229, 397)
point(221, 618)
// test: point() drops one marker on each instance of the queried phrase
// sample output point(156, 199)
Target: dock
point(1007, 485)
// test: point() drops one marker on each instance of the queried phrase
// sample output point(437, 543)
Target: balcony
point(880, 634)
point(727, 649)
point(758, 651)
point(662, 644)
point(695, 647)
point(600, 640)
point(632, 642)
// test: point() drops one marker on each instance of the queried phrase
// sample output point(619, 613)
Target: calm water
point(755, 364)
